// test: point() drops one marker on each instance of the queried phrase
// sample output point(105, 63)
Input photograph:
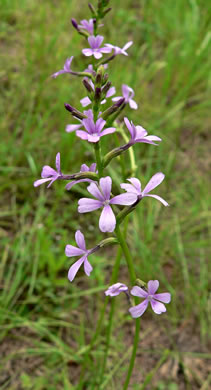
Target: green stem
point(132, 273)
point(98, 159)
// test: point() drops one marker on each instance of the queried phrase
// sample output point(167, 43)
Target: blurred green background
point(46, 322)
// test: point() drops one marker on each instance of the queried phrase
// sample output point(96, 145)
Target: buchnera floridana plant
point(91, 126)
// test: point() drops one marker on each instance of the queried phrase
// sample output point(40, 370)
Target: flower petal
point(70, 128)
point(139, 292)
point(125, 199)
point(105, 185)
point(74, 268)
point(94, 190)
point(87, 267)
point(164, 297)
point(127, 45)
point(130, 127)
point(157, 307)
point(109, 130)
point(85, 101)
point(136, 183)
point(48, 171)
point(87, 52)
point(85, 205)
point(152, 286)
point(133, 104)
point(80, 241)
point(107, 220)
point(158, 198)
point(111, 92)
point(129, 188)
point(154, 182)
point(58, 165)
point(41, 181)
point(138, 310)
point(82, 134)
point(97, 54)
point(140, 132)
point(71, 251)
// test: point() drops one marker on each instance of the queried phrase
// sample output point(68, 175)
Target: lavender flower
point(102, 194)
point(135, 187)
point(71, 251)
point(118, 50)
point(87, 25)
point(128, 94)
point(96, 50)
point(116, 289)
point(93, 131)
point(150, 296)
point(86, 101)
point(66, 68)
point(139, 134)
point(50, 174)
point(84, 168)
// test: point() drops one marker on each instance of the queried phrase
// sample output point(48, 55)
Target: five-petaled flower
point(135, 187)
point(71, 251)
point(139, 134)
point(118, 50)
point(50, 174)
point(116, 289)
point(102, 193)
point(66, 69)
point(93, 131)
point(128, 94)
point(84, 168)
point(150, 296)
point(95, 49)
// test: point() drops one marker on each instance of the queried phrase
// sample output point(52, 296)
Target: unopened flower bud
point(87, 85)
point(74, 111)
point(106, 11)
point(112, 109)
point(92, 9)
point(99, 76)
point(106, 87)
point(75, 24)
point(97, 93)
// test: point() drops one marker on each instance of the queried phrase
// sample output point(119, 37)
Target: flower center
point(106, 202)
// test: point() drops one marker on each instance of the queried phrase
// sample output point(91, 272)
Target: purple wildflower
point(116, 289)
point(50, 174)
point(87, 25)
point(118, 50)
point(135, 187)
point(139, 134)
point(86, 101)
point(93, 131)
point(96, 50)
point(66, 68)
point(150, 296)
point(71, 251)
point(84, 168)
point(102, 194)
point(128, 94)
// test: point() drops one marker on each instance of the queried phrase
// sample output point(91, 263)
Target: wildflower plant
point(92, 126)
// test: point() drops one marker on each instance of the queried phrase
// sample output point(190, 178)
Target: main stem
point(132, 273)
point(98, 159)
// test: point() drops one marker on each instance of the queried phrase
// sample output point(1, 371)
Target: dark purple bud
point(119, 102)
point(97, 93)
point(106, 87)
point(87, 85)
point(75, 24)
point(105, 78)
point(74, 111)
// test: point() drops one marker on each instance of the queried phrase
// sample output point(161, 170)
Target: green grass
point(46, 322)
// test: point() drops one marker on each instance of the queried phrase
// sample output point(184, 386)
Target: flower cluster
point(91, 126)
